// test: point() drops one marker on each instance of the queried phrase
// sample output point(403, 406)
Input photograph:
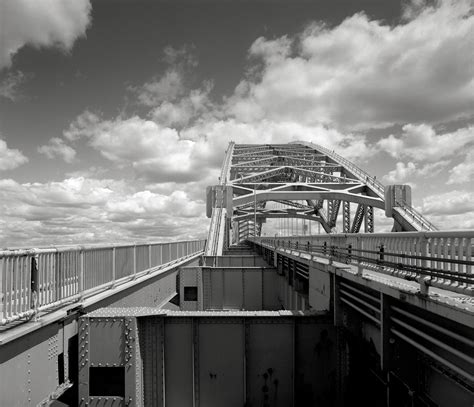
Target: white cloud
point(449, 203)
point(167, 88)
point(420, 142)
point(400, 173)
point(45, 23)
point(148, 204)
point(172, 84)
point(182, 57)
point(179, 114)
point(10, 158)
point(10, 85)
point(463, 172)
point(79, 210)
point(363, 73)
point(57, 148)
point(404, 172)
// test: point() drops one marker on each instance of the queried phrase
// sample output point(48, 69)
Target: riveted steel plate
point(270, 363)
point(179, 362)
point(221, 364)
point(107, 339)
point(253, 289)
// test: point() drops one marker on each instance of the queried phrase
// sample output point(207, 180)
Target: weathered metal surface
point(178, 355)
point(211, 358)
point(441, 259)
point(246, 288)
point(29, 366)
point(32, 280)
point(221, 362)
point(270, 363)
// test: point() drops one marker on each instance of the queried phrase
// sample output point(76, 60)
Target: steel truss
point(297, 181)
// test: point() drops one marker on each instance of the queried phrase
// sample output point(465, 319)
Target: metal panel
point(233, 290)
point(106, 336)
point(315, 364)
point(270, 290)
point(216, 292)
point(178, 362)
point(252, 282)
point(151, 331)
point(270, 363)
point(189, 277)
point(221, 363)
point(28, 368)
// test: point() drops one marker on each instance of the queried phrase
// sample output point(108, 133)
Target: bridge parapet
point(442, 259)
point(35, 280)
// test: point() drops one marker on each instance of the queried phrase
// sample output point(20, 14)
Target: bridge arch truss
point(300, 180)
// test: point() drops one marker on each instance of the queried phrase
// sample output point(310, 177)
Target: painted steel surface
point(304, 181)
point(442, 259)
point(33, 280)
point(216, 359)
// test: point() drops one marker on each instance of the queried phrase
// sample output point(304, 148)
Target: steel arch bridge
point(300, 180)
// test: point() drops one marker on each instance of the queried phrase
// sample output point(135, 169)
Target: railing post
point(149, 256)
point(34, 284)
point(359, 256)
point(134, 261)
point(381, 254)
point(114, 271)
point(81, 273)
point(425, 282)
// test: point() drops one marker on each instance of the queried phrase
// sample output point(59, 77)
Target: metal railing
point(33, 280)
point(408, 212)
point(442, 259)
point(217, 227)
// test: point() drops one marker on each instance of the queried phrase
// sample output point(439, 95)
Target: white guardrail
point(442, 259)
point(33, 280)
point(409, 212)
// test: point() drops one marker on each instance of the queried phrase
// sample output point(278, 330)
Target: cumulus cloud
point(420, 142)
point(400, 173)
point(171, 85)
point(57, 148)
point(450, 210)
point(91, 210)
point(449, 203)
point(404, 172)
point(168, 87)
point(196, 104)
point(45, 23)
point(164, 154)
point(11, 83)
point(10, 158)
point(364, 73)
point(463, 172)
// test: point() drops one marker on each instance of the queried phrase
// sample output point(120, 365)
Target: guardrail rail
point(442, 259)
point(33, 280)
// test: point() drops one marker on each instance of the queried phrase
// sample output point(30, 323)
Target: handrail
point(441, 258)
point(33, 280)
point(377, 186)
point(216, 225)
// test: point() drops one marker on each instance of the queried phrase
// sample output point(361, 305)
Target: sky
point(115, 115)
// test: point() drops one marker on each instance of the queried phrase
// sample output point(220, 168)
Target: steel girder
point(308, 182)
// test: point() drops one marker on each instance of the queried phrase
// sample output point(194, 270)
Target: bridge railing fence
point(408, 211)
point(442, 259)
point(33, 280)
